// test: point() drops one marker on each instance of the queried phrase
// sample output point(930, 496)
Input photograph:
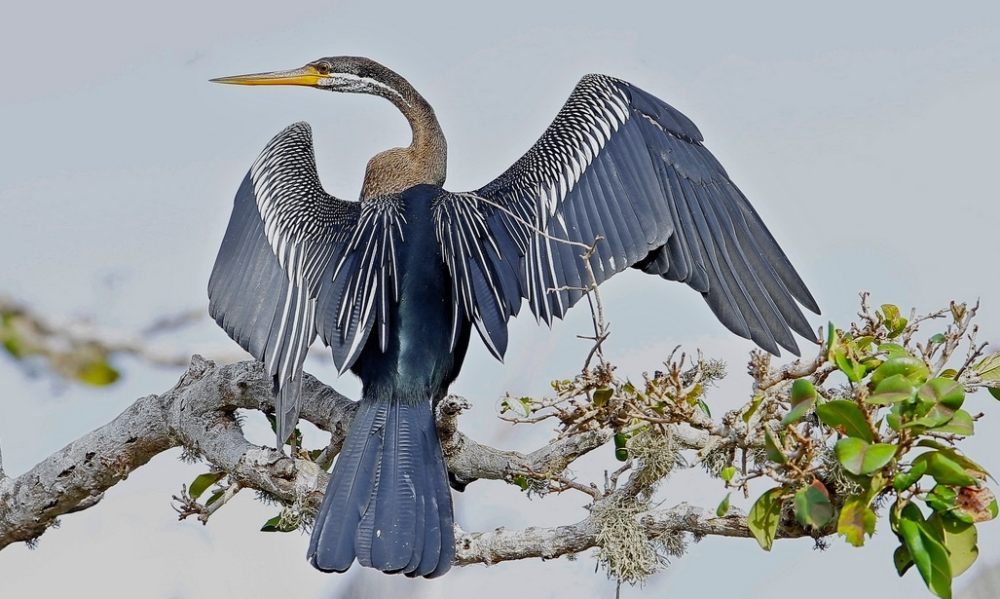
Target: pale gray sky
point(864, 135)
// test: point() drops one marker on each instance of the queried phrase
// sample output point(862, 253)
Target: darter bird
point(395, 283)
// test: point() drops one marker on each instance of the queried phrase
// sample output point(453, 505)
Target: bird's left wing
point(624, 172)
point(297, 261)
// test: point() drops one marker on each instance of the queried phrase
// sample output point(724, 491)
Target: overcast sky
point(865, 136)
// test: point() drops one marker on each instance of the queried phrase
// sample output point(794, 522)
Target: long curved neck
point(424, 161)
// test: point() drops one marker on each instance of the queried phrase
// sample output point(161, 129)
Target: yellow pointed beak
point(307, 75)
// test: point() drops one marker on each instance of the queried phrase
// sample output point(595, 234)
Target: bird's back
point(389, 503)
point(418, 358)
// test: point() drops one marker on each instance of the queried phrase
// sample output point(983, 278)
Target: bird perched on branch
point(395, 283)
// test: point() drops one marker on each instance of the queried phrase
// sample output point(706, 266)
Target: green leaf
point(905, 479)
point(845, 353)
point(895, 418)
point(960, 539)
point(621, 449)
point(727, 473)
point(910, 511)
point(271, 525)
point(960, 424)
point(13, 342)
point(754, 404)
point(519, 405)
point(893, 322)
point(856, 520)
point(994, 392)
point(941, 498)
point(929, 555)
point(846, 417)
point(98, 373)
point(943, 391)
point(939, 338)
point(723, 508)
point(602, 395)
point(936, 403)
point(764, 516)
point(275, 525)
point(521, 481)
point(909, 367)
point(848, 365)
point(989, 368)
point(890, 311)
point(811, 505)
point(954, 455)
point(935, 417)
point(897, 328)
point(893, 350)
point(202, 482)
point(214, 497)
point(902, 560)
point(773, 445)
point(704, 407)
point(803, 396)
point(861, 458)
point(893, 389)
point(11, 338)
point(945, 470)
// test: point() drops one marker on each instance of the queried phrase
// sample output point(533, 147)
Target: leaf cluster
point(887, 436)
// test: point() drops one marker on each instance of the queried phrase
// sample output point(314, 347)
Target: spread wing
point(622, 168)
point(297, 262)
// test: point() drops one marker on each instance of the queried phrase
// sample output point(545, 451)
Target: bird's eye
point(323, 68)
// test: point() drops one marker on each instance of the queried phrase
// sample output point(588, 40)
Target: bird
point(395, 282)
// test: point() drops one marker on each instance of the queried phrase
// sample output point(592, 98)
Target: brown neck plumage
point(424, 161)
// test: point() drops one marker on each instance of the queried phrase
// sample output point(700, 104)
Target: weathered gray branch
point(504, 545)
point(198, 413)
point(468, 459)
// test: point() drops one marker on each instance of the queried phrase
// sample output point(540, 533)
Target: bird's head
point(348, 74)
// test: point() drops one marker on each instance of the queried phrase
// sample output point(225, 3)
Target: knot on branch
point(196, 371)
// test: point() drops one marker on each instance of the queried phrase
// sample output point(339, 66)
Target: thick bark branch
point(81, 470)
point(198, 413)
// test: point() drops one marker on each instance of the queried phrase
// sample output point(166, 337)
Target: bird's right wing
point(297, 261)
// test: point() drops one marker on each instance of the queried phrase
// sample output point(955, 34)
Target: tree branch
point(198, 413)
point(547, 543)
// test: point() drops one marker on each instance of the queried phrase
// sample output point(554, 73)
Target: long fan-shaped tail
point(388, 503)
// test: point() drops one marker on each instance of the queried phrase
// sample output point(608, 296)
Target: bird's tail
point(388, 503)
